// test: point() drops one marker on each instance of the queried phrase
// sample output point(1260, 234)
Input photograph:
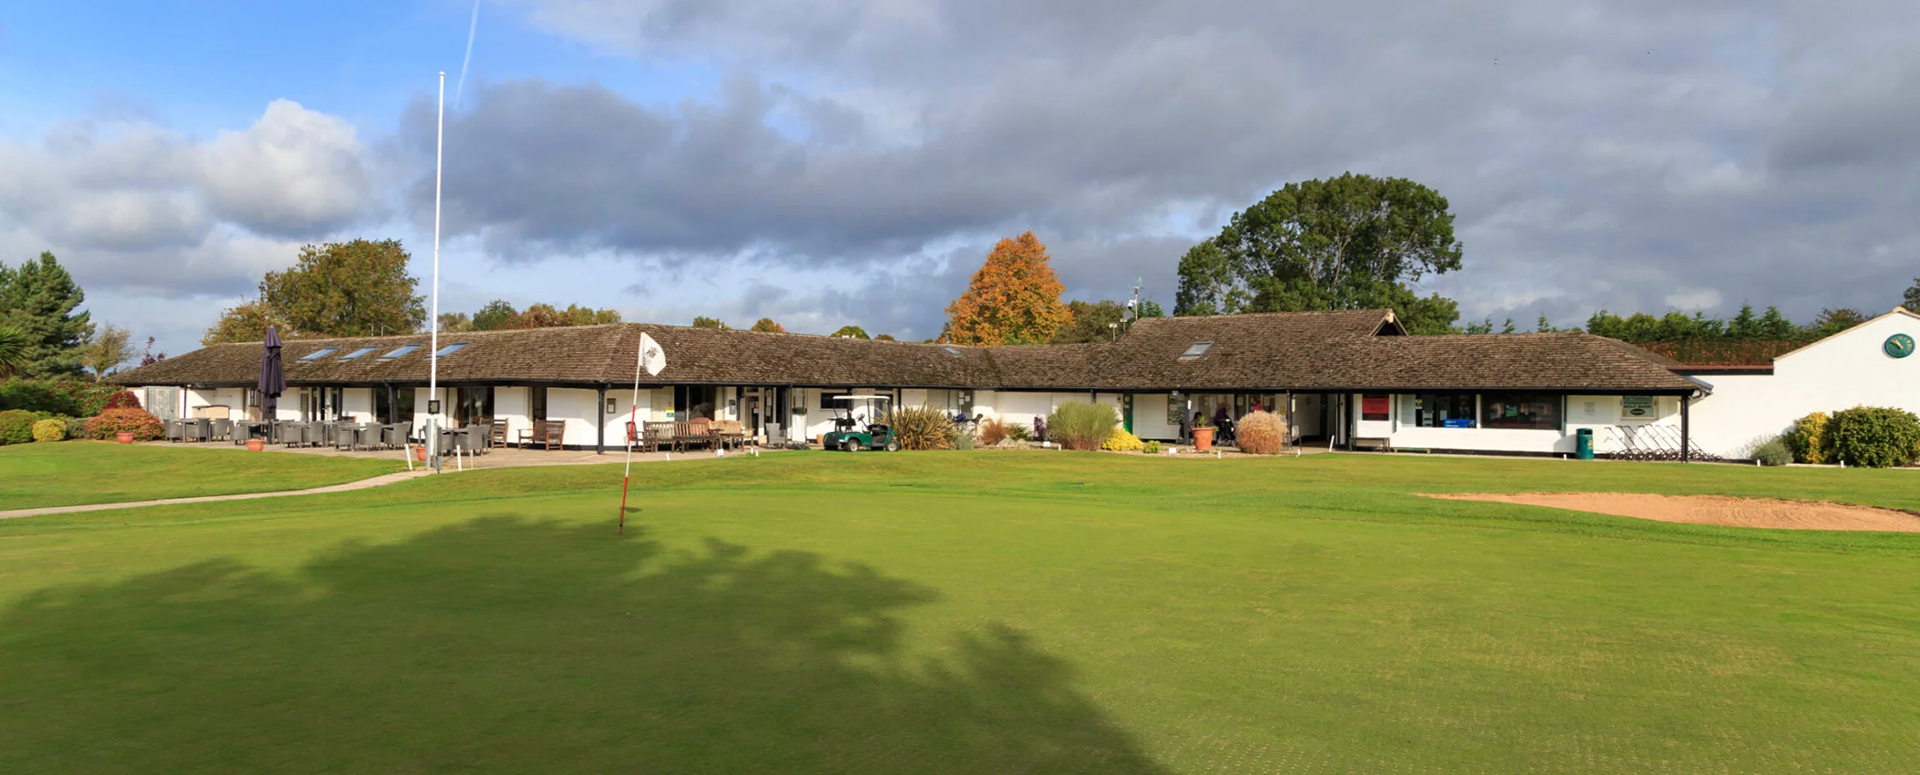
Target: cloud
point(133, 206)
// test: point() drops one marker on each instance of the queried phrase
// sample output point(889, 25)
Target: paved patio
point(505, 457)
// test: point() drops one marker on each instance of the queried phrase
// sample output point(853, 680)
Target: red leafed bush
point(143, 426)
point(124, 399)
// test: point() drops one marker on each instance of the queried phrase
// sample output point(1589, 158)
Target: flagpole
point(433, 357)
point(633, 417)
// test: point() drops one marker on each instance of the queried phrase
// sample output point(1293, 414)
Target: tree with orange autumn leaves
point(1013, 299)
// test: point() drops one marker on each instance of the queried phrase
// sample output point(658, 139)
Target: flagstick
point(433, 319)
point(633, 417)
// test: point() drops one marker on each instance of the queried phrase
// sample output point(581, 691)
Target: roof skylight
point(1198, 349)
point(399, 351)
point(450, 349)
point(951, 350)
point(318, 354)
point(357, 353)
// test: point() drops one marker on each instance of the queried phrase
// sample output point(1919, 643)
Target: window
point(951, 350)
point(401, 350)
point(357, 353)
point(473, 406)
point(318, 354)
point(1535, 411)
point(1438, 410)
point(538, 399)
point(1198, 349)
point(1376, 408)
point(392, 405)
point(1177, 410)
point(450, 349)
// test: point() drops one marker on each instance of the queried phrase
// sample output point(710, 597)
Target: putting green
point(968, 613)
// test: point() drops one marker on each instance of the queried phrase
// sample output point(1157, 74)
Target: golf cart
point(852, 434)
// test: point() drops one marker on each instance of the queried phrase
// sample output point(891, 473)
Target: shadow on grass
point(504, 644)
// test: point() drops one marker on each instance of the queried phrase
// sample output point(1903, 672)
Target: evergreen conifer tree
point(38, 298)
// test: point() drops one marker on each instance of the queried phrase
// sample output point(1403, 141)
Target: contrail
point(460, 87)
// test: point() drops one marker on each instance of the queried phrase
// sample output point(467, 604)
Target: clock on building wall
point(1899, 346)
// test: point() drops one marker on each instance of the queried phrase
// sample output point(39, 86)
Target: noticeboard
point(1637, 409)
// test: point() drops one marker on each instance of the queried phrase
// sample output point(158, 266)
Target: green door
point(1126, 411)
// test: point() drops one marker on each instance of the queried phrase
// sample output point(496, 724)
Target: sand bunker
point(1713, 510)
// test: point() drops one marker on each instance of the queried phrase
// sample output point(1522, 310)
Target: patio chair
point(346, 435)
point(201, 430)
point(555, 434)
point(479, 438)
point(656, 436)
point(176, 430)
point(497, 433)
point(395, 435)
point(222, 430)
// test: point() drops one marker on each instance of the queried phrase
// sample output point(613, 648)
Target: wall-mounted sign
point(1637, 408)
point(1898, 346)
point(1375, 408)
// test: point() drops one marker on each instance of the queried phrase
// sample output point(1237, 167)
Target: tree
point(1833, 321)
point(1091, 322)
point(497, 314)
point(851, 332)
point(455, 321)
point(1151, 309)
point(706, 322)
point(885, 338)
point(147, 358)
point(540, 316)
point(1013, 299)
point(109, 348)
point(1745, 325)
point(13, 350)
point(246, 322)
point(1353, 242)
point(766, 325)
point(38, 299)
point(1911, 298)
point(357, 288)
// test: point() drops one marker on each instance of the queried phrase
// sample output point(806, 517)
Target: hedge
point(1874, 437)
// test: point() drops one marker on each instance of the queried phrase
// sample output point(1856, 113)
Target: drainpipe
point(600, 437)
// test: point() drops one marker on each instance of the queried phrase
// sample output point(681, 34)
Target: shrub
point(16, 426)
point(1807, 441)
point(993, 431)
point(1081, 425)
point(1773, 452)
point(923, 427)
point(1875, 437)
point(50, 430)
point(1018, 432)
point(143, 426)
point(56, 396)
point(1261, 433)
point(124, 399)
point(1150, 447)
point(76, 427)
point(959, 438)
point(1122, 441)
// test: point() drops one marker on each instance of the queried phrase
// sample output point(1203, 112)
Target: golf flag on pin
point(651, 359)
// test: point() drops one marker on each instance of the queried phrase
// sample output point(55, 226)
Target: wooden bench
point(1380, 443)
point(548, 433)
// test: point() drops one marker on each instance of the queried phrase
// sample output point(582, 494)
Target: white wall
point(1150, 417)
point(1599, 413)
point(1843, 371)
point(578, 408)
point(357, 404)
point(515, 405)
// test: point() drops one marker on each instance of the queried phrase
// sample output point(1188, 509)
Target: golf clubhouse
point(1350, 379)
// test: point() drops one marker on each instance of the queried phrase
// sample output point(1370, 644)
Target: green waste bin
point(1583, 444)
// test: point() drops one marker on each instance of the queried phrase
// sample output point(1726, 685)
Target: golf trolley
point(852, 434)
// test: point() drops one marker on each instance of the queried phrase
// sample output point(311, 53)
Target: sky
point(833, 162)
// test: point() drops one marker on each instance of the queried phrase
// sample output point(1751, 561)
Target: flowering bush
point(124, 399)
point(1122, 441)
point(16, 426)
point(143, 426)
point(1808, 439)
point(1261, 433)
point(50, 430)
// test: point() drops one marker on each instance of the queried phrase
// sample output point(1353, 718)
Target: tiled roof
point(1275, 351)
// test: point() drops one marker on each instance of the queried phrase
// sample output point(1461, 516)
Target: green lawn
point(81, 472)
point(978, 612)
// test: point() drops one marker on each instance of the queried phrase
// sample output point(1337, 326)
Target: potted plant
point(124, 437)
point(255, 445)
point(1203, 435)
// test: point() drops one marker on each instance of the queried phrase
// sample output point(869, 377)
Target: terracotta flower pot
point(420, 454)
point(1203, 439)
point(124, 437)
point(255, 445)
